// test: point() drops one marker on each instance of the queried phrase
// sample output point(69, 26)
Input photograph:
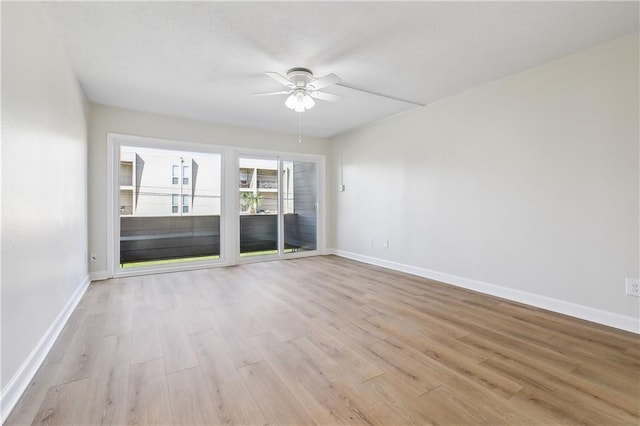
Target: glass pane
point(185, 175)
point(299, 198)
point(258, 206)
point(164, 223)
point(174, 175)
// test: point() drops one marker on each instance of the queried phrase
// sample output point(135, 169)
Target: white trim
point(20, 381)
point(112, 167)
point(168, 268)
point(599, 316)
point(99, 275)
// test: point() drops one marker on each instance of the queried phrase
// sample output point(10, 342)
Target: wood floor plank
point(315, 391)
point(60, 348)
point(458, 362)
point(190, 400)
point(60, 406)
point(276, 402)
point(81, 354)
point(145, 345)
point(142, 290)
point(236, 342)
point(410, 366)
point(354, 364)
point(459, 407)
point(28, 406)
point(234, 403)
point(359, 400)
point(613, 354)
point(518, 348)
point(148, 394)
point(391, 387)
point(164, 296)
point(176, 346)
point(119, 321)
point(194, 318)
point(105, 403)
point(559, 394)
point(113, 358)
point(325, 340)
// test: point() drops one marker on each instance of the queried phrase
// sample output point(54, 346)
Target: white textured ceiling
point(203, 60)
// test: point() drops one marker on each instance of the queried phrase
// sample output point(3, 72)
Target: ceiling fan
point(303, 88)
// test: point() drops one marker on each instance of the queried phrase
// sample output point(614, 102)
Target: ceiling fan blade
point(325, 81)
point(380, 94)
point(280, 79)
point(325, 96)
point(284, 92)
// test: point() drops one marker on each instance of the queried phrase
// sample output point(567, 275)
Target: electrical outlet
point(340, 188)
point(385, 244)
point(93, 257)
point(633, 287)
point(370, 242)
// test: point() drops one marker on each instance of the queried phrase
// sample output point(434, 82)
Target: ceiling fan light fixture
point(308, 101)
point(299, 101)
point(291, 101)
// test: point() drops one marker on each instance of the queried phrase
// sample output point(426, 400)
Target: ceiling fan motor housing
point(300, 76)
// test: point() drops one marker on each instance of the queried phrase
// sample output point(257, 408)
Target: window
point(185, 204)
point(174, 175)
point(126, 173)
point(164, 219)
point(244, 178)
point(185, 175)
point(174, 203)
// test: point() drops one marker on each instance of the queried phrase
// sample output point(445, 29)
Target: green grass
point(258, 253)
point(167, 261)
point(192, 259)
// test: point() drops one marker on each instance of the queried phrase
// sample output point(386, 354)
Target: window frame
point(175, 174)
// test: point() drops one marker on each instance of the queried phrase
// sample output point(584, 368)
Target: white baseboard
point(610, 319)
point(20, 381)
point(99, 275)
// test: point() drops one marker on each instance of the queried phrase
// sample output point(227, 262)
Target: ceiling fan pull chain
point(300, 127)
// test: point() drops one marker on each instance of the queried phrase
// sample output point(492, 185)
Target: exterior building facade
point(156, 182)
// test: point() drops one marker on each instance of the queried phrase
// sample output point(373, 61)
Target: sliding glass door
point(178, 205)
point(259, 201)
point(300, 203)
point(169, 206)
point(277, 206)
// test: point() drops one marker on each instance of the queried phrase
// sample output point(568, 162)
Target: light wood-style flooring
point(325, 340)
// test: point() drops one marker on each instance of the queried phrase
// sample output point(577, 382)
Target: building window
point(174, 203)
point(185, 204)
point(244, 178)
point(174, 174)
point(185, 175)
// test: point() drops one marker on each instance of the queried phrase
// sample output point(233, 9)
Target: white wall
point(105, 119)
point(529, 183)
point(44, 187)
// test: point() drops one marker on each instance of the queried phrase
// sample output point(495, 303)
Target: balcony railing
point(268, 182)
point(168, 237)
point(179, 237)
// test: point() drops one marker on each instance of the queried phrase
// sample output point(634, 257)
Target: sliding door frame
point(229, 202)
point(114, 144)
point(280, 156)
